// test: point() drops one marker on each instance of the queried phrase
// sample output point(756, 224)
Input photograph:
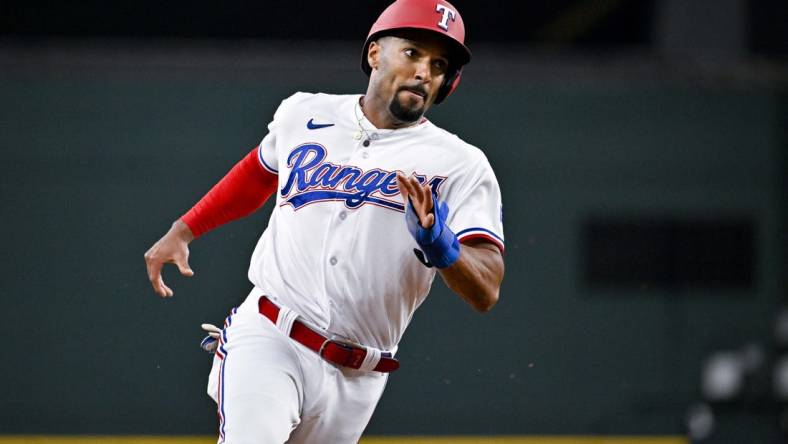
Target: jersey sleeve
point(267, 153)
point(475, 211)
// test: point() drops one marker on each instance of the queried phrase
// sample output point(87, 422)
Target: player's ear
point(373, 54)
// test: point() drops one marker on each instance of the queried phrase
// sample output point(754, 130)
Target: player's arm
point(243, 190)
point(473, 270)
point(477, 274)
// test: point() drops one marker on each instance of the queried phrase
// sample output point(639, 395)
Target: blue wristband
point(439, 244)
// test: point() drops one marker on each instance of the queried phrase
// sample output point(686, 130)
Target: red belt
point(332, 350)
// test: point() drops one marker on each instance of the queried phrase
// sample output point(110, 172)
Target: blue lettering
point(346, 174)
point(436, 183)
point(317, 181)
point(388, 187)
point(297, 160)
point(322, 174)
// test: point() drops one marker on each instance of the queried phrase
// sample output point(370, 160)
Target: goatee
point(403, 114)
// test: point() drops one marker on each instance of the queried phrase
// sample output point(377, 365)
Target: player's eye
point(440, 65)
point(410, 52)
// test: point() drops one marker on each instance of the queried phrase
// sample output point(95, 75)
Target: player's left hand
point(425, 218)
point(420, 197)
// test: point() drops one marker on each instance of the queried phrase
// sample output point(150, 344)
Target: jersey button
point(332, 261)
point(365, 155)
point(342, 215)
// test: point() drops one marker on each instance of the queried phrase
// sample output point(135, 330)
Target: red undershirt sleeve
point(243, 190)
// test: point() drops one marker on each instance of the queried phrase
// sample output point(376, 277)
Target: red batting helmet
point(438, 16)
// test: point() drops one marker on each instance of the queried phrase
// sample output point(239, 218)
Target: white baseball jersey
point(337, 250)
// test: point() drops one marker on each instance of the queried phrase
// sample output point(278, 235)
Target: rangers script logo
point(313, 180)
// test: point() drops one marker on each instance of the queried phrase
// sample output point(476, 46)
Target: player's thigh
point(348, 400)
point(260, 383)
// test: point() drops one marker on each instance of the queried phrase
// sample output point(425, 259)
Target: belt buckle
point(336, 340)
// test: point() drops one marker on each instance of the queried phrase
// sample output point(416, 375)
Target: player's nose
point(422, 70)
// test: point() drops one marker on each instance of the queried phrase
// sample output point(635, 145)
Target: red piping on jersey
point(244, 189)
point(486, 237)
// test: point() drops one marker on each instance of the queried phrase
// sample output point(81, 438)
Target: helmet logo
point(448, 14)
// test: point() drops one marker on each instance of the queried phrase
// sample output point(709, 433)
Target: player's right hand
point(173, 248)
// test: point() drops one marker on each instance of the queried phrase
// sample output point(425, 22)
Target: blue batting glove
point(439, 244)
point(211, 342)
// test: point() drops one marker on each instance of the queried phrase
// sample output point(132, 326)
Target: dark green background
point(97, 160)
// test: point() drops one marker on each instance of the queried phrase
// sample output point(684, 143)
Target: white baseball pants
point(270, 389)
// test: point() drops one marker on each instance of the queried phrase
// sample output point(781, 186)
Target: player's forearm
point(476, 276)
point(243, 190)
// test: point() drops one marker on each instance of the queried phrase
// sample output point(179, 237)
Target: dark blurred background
point(641, 151)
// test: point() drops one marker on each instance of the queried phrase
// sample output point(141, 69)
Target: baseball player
point(372, 200)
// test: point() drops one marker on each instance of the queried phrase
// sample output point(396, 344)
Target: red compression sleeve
point(242, 191)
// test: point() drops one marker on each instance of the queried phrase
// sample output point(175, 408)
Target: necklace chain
point(364, 130)
point(358, 119)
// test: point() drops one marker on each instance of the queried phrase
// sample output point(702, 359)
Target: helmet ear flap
point(450, 83)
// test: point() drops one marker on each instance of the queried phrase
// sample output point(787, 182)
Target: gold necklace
point(361, 128)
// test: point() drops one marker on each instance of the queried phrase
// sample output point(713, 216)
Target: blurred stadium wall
point(645, 213)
